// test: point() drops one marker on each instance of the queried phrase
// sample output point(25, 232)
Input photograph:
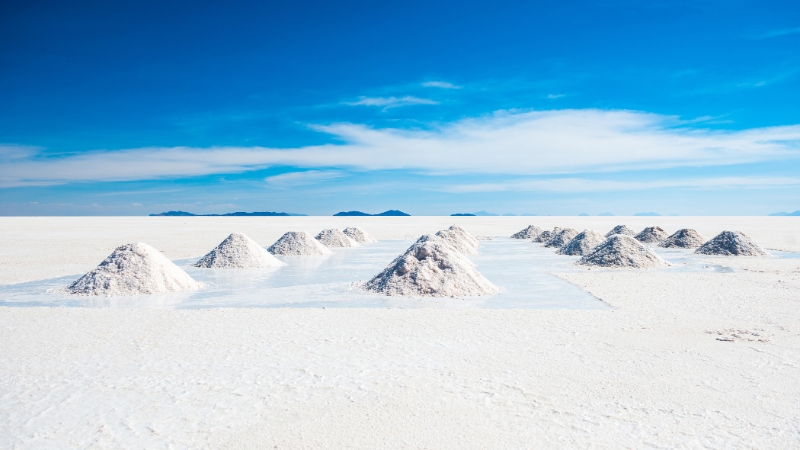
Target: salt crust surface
point(683, 238)
point(460, 240)
point(334, 238)
point(731, 243)
point(620, 251)
point(298, 243)
point(582, 243)
point(359, 235)
point(652, 235)
point(621, 229)
point(561, 238)
point(238, 251)
point(431, 267)
point(530, 232)
point(134, 269)
point(546, 235)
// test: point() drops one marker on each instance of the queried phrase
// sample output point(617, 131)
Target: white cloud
point(783, 32)
point(440, 84)
point(292, 179)
point(391, 102)
point(530, 143)
point(554, 96)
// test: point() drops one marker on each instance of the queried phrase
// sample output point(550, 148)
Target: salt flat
point(688, 360)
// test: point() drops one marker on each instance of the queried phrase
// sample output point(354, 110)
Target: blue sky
point(558, 108)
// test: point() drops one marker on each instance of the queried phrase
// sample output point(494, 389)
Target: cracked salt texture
point(582, 244)
point(731, 243)
point(333, 238)
point(359, 235)
point(683, 238)
point(238, 251)
point(621, 229)
point(561, 238)
point(298, 243)
point(652, 235)
point(134, 269)
point(620, 251)
point(528, 233)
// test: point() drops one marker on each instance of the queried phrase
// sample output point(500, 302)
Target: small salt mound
point(546, 235)
point(298, 243)
point(134, 269)
point(238, 251)
point(561, 238)
point(582, 244)
point(652, 235)
point(621, 229)
point(459, 239)
point(359, 235)
point(431, 267)
point(684, 238)
point(623, 251)
point(731, 243)
point(333, 238)
point(528, 233)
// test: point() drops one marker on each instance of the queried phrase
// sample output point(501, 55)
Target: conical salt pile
point(621, 229)
point(684, 238)
point(134, 269)
point(359, 235)
point(623, 251)
point(431, 267)
point(731, 243)
point(546, 235)
point(333, 238)
point(238, 251)
point(528, 233)
point(582, 244)
point(652, 235)
point(298, 243)
point(561, 238)
point(459, 239)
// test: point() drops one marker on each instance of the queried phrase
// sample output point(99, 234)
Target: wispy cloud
point(782, 32)
point(391, 102)
point(512, 143)
point(440, 84)
point(305, 178)
point(554, 96)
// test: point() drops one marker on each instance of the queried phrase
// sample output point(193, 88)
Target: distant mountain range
point(237, 214)
point(796, 213)
point(391, 212)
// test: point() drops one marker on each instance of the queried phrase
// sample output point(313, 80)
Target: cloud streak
point(440, 84)
point(391, 102)
point(510, 143)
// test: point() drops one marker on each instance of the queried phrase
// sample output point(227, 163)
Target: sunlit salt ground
point(521, 268)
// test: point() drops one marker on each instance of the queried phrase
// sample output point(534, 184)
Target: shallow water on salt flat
point(521, 268)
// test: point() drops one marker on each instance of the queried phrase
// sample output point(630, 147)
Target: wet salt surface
point(521, 268)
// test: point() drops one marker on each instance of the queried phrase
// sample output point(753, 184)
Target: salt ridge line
point(359, 235)
point(683, 238)
point(731, 243)
point(561, 238)
point(620, 251)
point(582, 244)
point(546, 235)
point(238, 251)
point(530, 232)
point(298, 243)
point(652, 235)
point(333, 238)
point(621, 229)
point(460, 240)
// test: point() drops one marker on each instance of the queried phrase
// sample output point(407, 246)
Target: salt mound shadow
point(333, 238)
point(582, 244)
point(546, 235)
point(530, 232)
point(460, 240)
point(561, 238)
point(731, 243)
point(134, 269)
point(298, 243)
point(652, 235)
point(432, 268)
point(683, 238)
point(621, 229)
point(623, 251)
point(359, 235)
point(238, 251)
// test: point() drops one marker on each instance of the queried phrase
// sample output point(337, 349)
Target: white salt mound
point(622, 251)
point(333, 238)
point(134, 269)
point(621, 229)
point(546, 235)
point(359, 235)
point(460, 240)
point(652, 235)
point(582, 244)
point(298, 243)
point(433, 268)
point(684, 238)
point(561, 238)
point(731, 243)
point(238, 251)
point(528, 233)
